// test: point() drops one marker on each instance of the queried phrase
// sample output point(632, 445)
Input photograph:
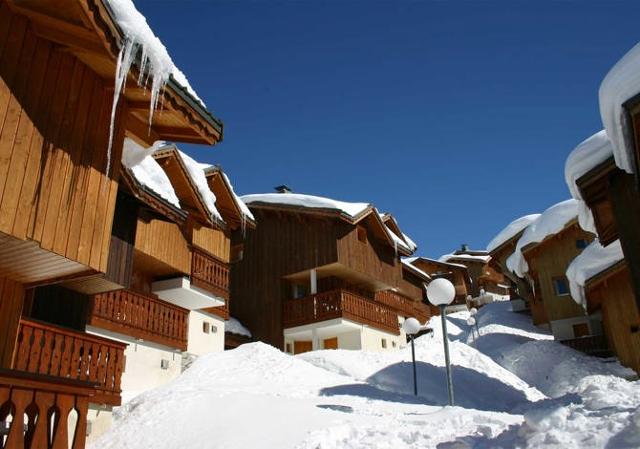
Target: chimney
point(464, 247)
point(283, 189)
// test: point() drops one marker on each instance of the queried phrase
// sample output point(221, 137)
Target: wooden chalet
point(69, 226)
point(318, 273)
point(457, 274)
point(551, 302)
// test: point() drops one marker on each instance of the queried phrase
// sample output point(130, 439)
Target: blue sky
point(456, 117)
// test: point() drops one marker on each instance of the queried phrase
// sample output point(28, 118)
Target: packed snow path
point(514, 387)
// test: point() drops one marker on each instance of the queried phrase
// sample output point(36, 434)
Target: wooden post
point(11, 303)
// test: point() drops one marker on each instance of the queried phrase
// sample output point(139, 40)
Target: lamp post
point(411, 327)
point(471, 321)
point(473, 311)
point(441, 293)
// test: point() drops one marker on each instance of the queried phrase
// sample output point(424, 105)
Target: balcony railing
point(210, 274)
point(141, 316)
point(595, 345)
point(405, 306)
point(41, 412)
point(50, 350)
point(340, 304)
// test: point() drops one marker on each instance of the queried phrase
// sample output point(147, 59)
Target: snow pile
point(196, 173)
point(550, 222)
point(147, 171)
point(592, 261)
point(352, 210)
point(621, 84)
point(511, 231)
point(236, 327)
point(593, 151)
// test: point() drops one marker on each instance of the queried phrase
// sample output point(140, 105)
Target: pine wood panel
point(163, 241)
point(619, 315)
point(551, 259)
point(11, 302)
point(214, 241)
point(54, 125)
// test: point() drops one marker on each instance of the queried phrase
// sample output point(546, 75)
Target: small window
point(393, 344)
point(300, 291)
point(362, 234)
point(384, 343)
point(561, 286)
point(581, 244)
point(287, 348)
point(206, 328)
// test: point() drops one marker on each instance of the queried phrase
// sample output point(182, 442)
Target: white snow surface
point(472, 257)
point(147, 171)
point(593, 260)
point(236, 327)
point(196, 173)
point(550, 222)
point(621, 84)
point(511, 230)
point(314, 202)
point(591, 152)
point(514, 388)
point(408, 264)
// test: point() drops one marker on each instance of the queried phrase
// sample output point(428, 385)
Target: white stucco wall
point(372, 340)
point(201, 342)
point(99, 419)
point(350, 340)
point(563, 329)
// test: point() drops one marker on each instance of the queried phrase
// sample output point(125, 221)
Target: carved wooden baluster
point(65, 403)
point(82, 407)
point(36, 349)
point(21, 399)
point(45, 402)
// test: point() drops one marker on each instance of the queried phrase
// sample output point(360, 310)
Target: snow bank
point(593, 260)
point(236, 327)
point(550, 222)
point(196, 173)
point(511, 230)
point(621, 84)
point(147, 171)
point(314, 202)
point(593, 151)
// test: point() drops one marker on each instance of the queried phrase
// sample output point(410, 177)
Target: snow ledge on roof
point(313, 202)
point(234, 326)
point(511, 231)
point(592, 261)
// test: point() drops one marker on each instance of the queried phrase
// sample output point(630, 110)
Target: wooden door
point(331, 343)
point(302, 346)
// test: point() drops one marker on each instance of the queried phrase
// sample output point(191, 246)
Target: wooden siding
point(214, 241)
point(281, 244)
point(120, 265)
point(620, 316)
point(11, 303)
point(54, 118)
point(163, 240)
point(551, 259)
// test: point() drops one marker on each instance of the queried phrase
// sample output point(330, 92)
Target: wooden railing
point(37, 412)
point(141, 316)
point(405, 306)
point(209, 273)
point(340, 304)
point(50, 350)
point(595, 345)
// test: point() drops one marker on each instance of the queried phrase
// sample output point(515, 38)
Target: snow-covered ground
point(514, 387)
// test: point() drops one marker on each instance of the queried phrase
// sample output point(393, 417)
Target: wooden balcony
point(209, 273)
point(340, 304)
point(49, 350)
point(404, 306)
point(44, 408)
point(141, 316)
point(595, 345)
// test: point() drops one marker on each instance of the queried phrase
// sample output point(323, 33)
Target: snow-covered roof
point(409, 265)
point(592, 261)
point(241, 204)
point(550, 222)
point(234, 326)
point(511, 231)
point(399, 241)
point(586, 156)
point(197, 176)
point(484, 258)
point(351, 210)
point(621, 84)
point(147, 171)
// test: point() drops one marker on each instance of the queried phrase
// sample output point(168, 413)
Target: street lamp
point(411, 327)
point(471, 322)
point(473, 311)
point(441, 293)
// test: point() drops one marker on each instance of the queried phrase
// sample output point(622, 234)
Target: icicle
point(125, 59)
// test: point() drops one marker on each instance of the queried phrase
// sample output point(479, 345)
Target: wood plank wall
point(281, 244)
point(164, 241)
point(620, 316)
point(551, 259)
point(120, 264)
point(214, 241)
point(11, 303)
point(54, 125)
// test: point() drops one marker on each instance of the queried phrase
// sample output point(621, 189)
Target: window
point(287, 348)
point(581, 243)
point(561, 286)
point(362, 234)
point(393, 344)
point(206, 328)
point(384, 343)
